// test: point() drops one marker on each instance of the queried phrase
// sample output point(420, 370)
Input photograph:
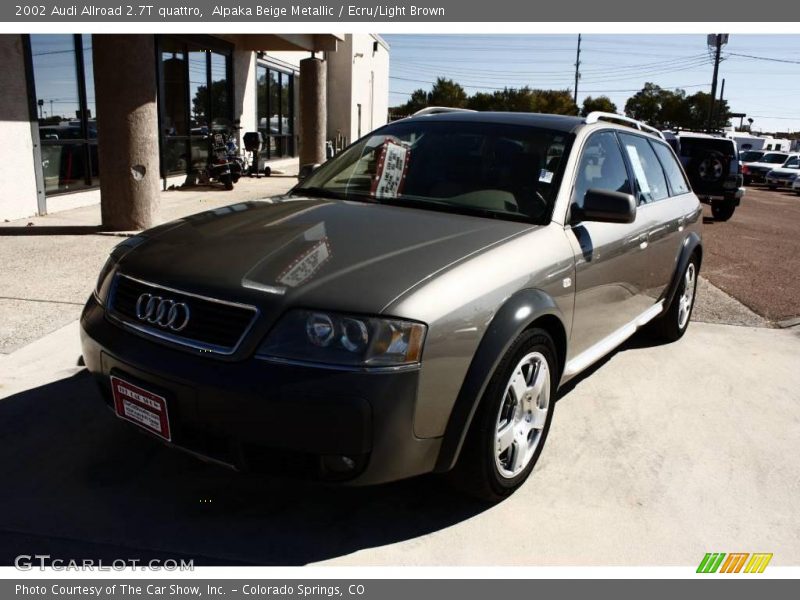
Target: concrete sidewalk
point(657, 456)
point(50, 263)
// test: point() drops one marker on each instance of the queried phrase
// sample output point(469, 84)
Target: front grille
point(214, 325)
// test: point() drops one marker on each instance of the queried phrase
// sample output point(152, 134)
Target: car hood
point(763, 165)
point(781, 171)
point(310, 252)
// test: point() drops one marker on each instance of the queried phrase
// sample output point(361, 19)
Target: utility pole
point(718, 49)
point(577, 68)
point(718, 112)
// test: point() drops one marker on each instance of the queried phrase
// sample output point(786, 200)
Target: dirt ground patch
point(755, 257)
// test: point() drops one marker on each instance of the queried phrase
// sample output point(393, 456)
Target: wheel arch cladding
point(523, 310)
point(691, 245)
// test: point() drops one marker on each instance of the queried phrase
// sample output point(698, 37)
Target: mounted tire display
point(709, 168)
point(513, 418)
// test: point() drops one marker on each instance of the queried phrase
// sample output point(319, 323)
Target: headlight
point(344, 340)
point(104, 280)
point(120, 250)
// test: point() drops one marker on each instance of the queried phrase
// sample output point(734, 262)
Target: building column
point(127, 130)
point(20, 159)
point(313, 113)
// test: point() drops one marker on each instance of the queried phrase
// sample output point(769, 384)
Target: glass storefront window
point(63, 88)
point(194, 98)
point(276, 110)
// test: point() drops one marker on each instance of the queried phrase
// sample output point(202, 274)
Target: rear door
point(660, 183)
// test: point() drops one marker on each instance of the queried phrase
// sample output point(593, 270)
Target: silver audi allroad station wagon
point(412, 306)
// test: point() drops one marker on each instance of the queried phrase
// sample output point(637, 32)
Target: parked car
point(796, 186)
point(712, 164)
point(756, 172)
point(413, 306)
point(785, 175)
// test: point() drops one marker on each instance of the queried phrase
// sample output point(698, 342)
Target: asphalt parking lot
point(659, 454)
point(755, 256)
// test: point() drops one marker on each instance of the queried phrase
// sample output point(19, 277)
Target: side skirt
point(607, 344)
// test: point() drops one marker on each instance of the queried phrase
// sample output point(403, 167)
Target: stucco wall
point(370, 84)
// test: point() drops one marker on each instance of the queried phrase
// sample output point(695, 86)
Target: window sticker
point(545, 176)
point(392, 170)
point(638, 169)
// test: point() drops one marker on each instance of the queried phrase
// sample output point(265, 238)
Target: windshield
point(486, 169)
point(792, 163)
point(774, 158)
point(751, 156)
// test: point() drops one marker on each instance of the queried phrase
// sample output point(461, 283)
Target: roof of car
point(564, 123)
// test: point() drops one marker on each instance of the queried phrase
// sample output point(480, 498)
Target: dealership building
point(114, 119)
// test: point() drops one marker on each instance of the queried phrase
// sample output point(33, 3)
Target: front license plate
point(137, 405)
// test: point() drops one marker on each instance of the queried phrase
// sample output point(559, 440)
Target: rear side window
point(601, 167)
point(677, 182)
point(647, 170)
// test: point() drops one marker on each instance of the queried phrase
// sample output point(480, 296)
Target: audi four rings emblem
point(163, 312)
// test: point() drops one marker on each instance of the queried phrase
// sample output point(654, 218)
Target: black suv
point(713, 167)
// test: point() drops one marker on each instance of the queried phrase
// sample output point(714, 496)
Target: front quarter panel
point(460, 304)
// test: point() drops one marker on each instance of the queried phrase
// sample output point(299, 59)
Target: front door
point(610, 258)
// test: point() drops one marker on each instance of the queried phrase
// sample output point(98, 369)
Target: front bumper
point(260, 416)
point(779, 181)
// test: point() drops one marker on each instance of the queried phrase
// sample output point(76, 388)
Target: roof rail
point(594, 117)
point(435, 110)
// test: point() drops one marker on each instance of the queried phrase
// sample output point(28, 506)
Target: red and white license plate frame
point(141, 407)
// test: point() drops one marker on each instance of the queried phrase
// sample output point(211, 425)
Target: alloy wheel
point(522, 415)
point(687, 297)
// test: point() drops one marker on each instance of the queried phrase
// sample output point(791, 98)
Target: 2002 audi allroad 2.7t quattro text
point(412, 306)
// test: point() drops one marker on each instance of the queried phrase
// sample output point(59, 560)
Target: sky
point(617, 66)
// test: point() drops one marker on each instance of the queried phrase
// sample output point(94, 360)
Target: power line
point(500, 89)
point(767, 58)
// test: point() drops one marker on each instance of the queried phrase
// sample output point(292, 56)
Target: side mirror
point(604, 206)
point(307, 170)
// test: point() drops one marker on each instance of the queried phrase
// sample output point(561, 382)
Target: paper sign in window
point(638, 169)
point(391, 171)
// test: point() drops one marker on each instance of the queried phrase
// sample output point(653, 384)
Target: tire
point(485, 470)
point(722, 211)
point(227, 181)
point(797, 192)
point(772, 187)
point(710, 168)
point(672, 324)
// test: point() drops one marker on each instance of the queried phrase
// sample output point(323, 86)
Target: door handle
point(644, 241)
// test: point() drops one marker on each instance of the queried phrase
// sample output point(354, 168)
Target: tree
point(556, 102)
point(446, 92)
point(646, 104)
point(601, 103)
point(667, 109)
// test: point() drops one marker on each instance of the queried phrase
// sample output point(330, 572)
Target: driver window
point(601, 167)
